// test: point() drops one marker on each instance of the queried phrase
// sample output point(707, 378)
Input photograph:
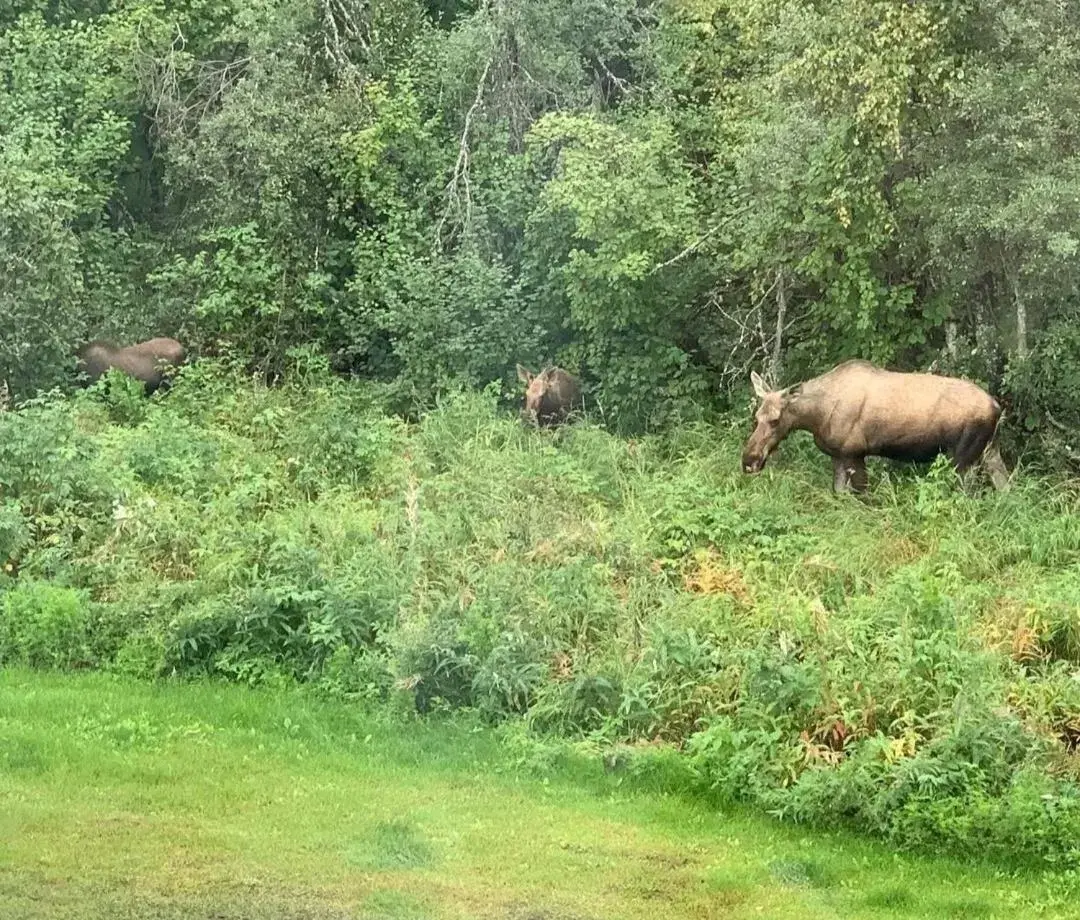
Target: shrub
point(45, 626)
point(1044, 396)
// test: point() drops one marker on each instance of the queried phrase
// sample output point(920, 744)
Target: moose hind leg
point(859, 480)
point(975, 445)
point(969, 448)
point(849, 473)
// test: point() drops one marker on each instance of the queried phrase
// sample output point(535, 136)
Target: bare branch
point(1053, 421)
point(622, 85)
point(460, 176)
point(698, 243)
point(751, 346)
point(173, 112)
point(343, 23)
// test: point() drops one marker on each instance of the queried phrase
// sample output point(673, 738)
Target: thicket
point(658, 194)
point(904, 662)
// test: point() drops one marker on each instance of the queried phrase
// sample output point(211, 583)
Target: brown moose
point(858, 410)
point(550, 396)
point(148, 362)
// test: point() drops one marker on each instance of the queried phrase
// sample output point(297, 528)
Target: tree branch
point(460, 177)
point(698, 243)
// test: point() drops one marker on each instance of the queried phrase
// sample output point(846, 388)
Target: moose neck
point(802, 413)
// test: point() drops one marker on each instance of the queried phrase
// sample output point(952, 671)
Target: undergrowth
point(906, 663)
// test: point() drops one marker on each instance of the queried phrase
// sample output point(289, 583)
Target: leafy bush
point(1044, 396)
point(45, 626)
point(47, 466)
point(14, 533)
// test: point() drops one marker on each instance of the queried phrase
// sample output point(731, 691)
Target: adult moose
point(857, 410)
point(148, 362)
point(550, 396)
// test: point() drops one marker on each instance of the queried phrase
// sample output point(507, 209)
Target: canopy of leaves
point(660, 195)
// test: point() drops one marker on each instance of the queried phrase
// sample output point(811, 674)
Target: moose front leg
point(849, 473)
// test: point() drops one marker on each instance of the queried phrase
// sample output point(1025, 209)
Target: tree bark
point(1021, 322)
point(776, 362)
point(985, 340)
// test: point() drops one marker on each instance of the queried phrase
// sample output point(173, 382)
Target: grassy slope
point(902, 663)
point(123, 799)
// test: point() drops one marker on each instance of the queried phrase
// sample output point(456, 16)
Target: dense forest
point(658, 195)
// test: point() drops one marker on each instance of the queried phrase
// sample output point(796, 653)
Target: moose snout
point(752, 464)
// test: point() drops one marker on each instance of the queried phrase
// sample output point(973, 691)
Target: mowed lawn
point(122, 800)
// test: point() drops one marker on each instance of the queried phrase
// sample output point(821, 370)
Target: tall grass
point(903, 662)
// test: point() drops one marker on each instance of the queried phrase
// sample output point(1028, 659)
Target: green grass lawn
point(125, 799)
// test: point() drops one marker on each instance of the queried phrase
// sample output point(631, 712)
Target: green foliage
point(48, 467)
point(1044, 394)
point(679, 679)
point(653, 197)
point(994, 216)
point(620, 206)
point(14, 531)
point(447, 321)
point(124, 397)
point(236, 278)
point(66, 105)
point(658, 197)
point(251, 270)
point(900, 664)
point(44, 626)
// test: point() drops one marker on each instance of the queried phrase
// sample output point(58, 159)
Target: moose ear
point(524, 374)
point(758, 384)
point(792, 391)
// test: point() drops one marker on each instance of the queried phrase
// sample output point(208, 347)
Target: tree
point(65, 103)
point(993, 199)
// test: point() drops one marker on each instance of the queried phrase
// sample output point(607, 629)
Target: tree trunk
point(776, 361)
point(985, 341)
point(1021, 323)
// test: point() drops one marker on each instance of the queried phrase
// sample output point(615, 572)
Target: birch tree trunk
point(777, 359)
point(1021, 322)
